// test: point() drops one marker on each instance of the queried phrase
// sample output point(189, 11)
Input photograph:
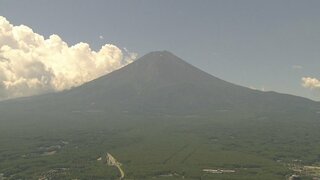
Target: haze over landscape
point(159, 90)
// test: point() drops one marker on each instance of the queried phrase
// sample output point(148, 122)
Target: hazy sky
point(268, 45)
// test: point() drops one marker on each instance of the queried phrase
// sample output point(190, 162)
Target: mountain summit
point(160, 82)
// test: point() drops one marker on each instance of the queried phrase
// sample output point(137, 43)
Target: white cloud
point(259, 89)
point(296, 67)
point(311, 83)
point(31, 64)
point(101, 37)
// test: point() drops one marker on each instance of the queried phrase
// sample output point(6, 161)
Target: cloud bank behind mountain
point(30, 64)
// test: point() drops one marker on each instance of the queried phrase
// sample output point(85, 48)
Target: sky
point(269, 45)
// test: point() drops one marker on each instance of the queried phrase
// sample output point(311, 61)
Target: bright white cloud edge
point(31, 64)
point(311, 83)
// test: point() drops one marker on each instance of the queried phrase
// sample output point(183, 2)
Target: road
point(111, 161)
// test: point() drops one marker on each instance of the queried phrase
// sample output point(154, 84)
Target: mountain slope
point(160, 82)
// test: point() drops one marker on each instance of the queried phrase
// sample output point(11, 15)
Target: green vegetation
point(160, 147)
point(163, 119)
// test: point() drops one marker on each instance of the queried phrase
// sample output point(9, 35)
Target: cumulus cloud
point(311, 83)
point(31, 64)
